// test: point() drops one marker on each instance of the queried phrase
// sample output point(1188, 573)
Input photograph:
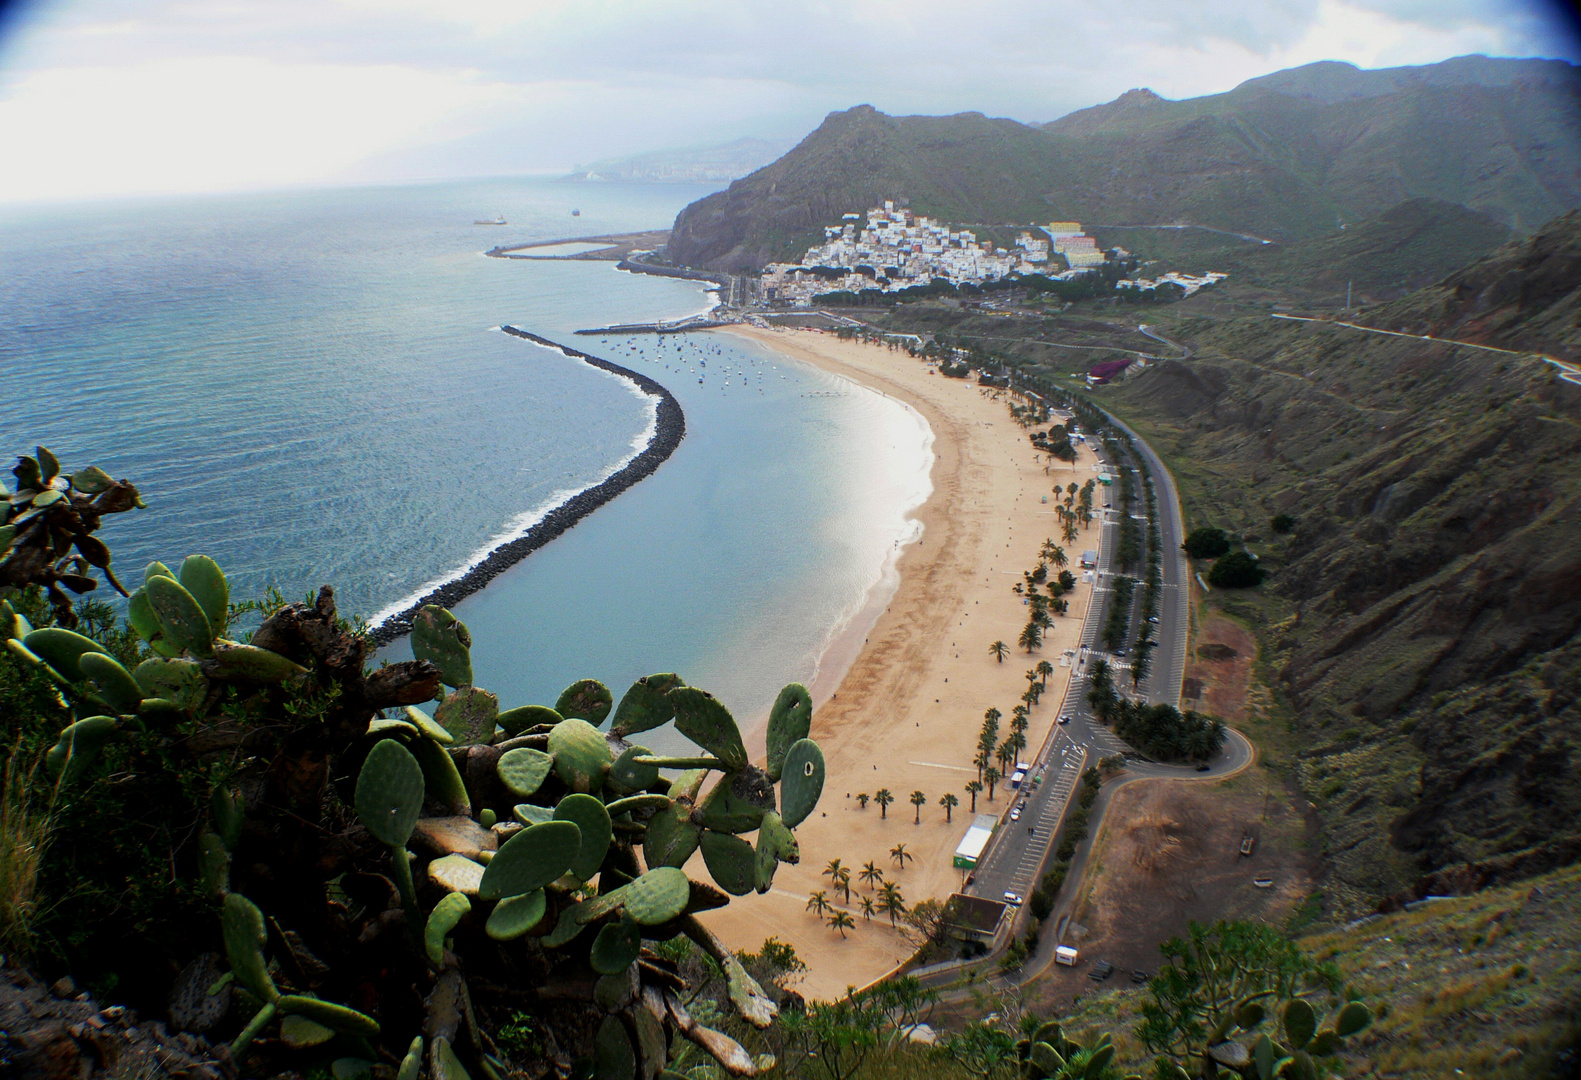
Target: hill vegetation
point(1287, 157)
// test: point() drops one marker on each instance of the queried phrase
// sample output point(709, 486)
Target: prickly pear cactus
point(442, 639)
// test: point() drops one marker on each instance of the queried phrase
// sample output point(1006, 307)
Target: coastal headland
point(668, 431)
point(899, 707)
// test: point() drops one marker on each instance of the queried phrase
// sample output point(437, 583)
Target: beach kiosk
point(975, 842)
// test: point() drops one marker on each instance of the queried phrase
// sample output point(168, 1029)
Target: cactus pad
point(657, 896)
point(614, 1058)
point(176, 679)
point(79, 746)
point(441, 777)
point(180, 616)
point(626, 776)
point(585, 699)
point(228, 814)
point(731, 862)
point(113, 682)
point(140, 613)
point(565, 928)
point(442, 639)
point(237, 661)
point(702, 718)
point(637, 804)
point(531, 859)
point(428, 726)
point(738, 801)
point(456, 874)
point(392, 729)
point(776, 844)
point(1300, 1022)
point(390, 792)
point(446, 1066)
point(616, 947)
point(202, 577)
point(590, 817)
point(581, 754)
point(300, 1033)
point(338, 1017)
point(523, 770)
point(532, 813)
point(671, 837)
point(61, 649)
point(1352, 1018)
point(515, 721)
point(790, 721)
point(468, 713)
point(801, 781)
point(646, 705)
point(688, 784)
point(445, 917)
point(517, 915)
point(242, 925)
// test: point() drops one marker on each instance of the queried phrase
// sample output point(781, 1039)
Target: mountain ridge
point(1288, 156)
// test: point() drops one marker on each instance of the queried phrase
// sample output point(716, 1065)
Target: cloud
point(143, 95)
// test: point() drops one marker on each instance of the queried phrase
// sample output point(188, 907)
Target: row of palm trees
point(886, 899)
point(885, 799)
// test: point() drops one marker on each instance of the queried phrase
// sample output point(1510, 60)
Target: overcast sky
point(138, 96)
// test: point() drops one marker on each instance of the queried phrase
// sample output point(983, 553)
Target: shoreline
point(669, 428)
point(923, 628)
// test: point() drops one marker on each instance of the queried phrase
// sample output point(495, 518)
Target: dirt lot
point(1219, 669)
point(1169, 853)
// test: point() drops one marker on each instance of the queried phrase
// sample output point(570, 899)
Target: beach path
point(906, 714)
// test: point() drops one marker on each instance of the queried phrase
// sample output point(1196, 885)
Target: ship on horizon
point(499, 219)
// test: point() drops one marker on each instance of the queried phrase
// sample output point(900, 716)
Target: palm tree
point(891, 902)
point(992, 715)
point(832, 871)
point(883, 798)
point(867, 907)
point(1057, 557)
point(972, 788)
point(818, 903)
point(949, 802)
point(900, 855)
point(841, 921)
point(871, 874)
point(998, 650)
point(1031, 637)
point(842, 881)
point(992, 776)
point(919, 800)
point(1045, 669)
point(981, 761)
point(861, 799)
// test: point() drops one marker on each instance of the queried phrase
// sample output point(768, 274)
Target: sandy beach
point(907, 712)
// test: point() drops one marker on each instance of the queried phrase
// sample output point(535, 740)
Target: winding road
point(1569, 372)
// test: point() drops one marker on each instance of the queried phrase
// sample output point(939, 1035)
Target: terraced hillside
point(1422, 616)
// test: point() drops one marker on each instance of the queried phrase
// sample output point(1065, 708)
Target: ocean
point(311, 387)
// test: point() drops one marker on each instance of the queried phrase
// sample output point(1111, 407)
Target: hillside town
point(896, 249)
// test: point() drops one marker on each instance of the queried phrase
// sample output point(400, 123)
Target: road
point(1569, 372)
point(1021, 851)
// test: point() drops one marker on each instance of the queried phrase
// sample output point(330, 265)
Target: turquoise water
point(310, 386)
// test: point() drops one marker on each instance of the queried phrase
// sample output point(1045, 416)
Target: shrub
point(1282, 523)
point(1237, 570)
point(1206, 543)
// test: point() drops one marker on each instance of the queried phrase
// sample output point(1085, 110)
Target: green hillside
point(1290, 156)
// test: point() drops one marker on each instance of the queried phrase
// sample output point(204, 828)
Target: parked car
point(1015, 813)
point(1012, 898)
point(1065, 719)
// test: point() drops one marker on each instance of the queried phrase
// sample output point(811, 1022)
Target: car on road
point(1012, 898)
point(1015, 814)
point(1153, 619)
point(1203, 766)
point(1065, 719)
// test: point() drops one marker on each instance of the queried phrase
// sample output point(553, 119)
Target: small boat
point(499, 219)
point(1263, 882)
point(576, 213)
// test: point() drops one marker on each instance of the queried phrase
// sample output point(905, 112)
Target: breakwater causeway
point(668, 431)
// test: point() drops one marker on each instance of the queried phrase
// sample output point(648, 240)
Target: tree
point(883, 798)
point(891, 902)
point(842, 922)
point(900, 855)
point(1045, 669)
point(1206, 543)
point(832, 871)
point(1031, 636)
point(861, 799)
point(866, 904)
point(842, 881)
point(1237, 570)
point(981, 761)
point(871, 874)
point(818, 902)
point(919, 800)
point(983, 1050)
point(997, 650)
point(1282, 523)
point(992, 776)
point(949, 802)
point(838, 1035)
point(972, 788)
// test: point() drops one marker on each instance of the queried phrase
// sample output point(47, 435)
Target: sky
point(133, 97)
